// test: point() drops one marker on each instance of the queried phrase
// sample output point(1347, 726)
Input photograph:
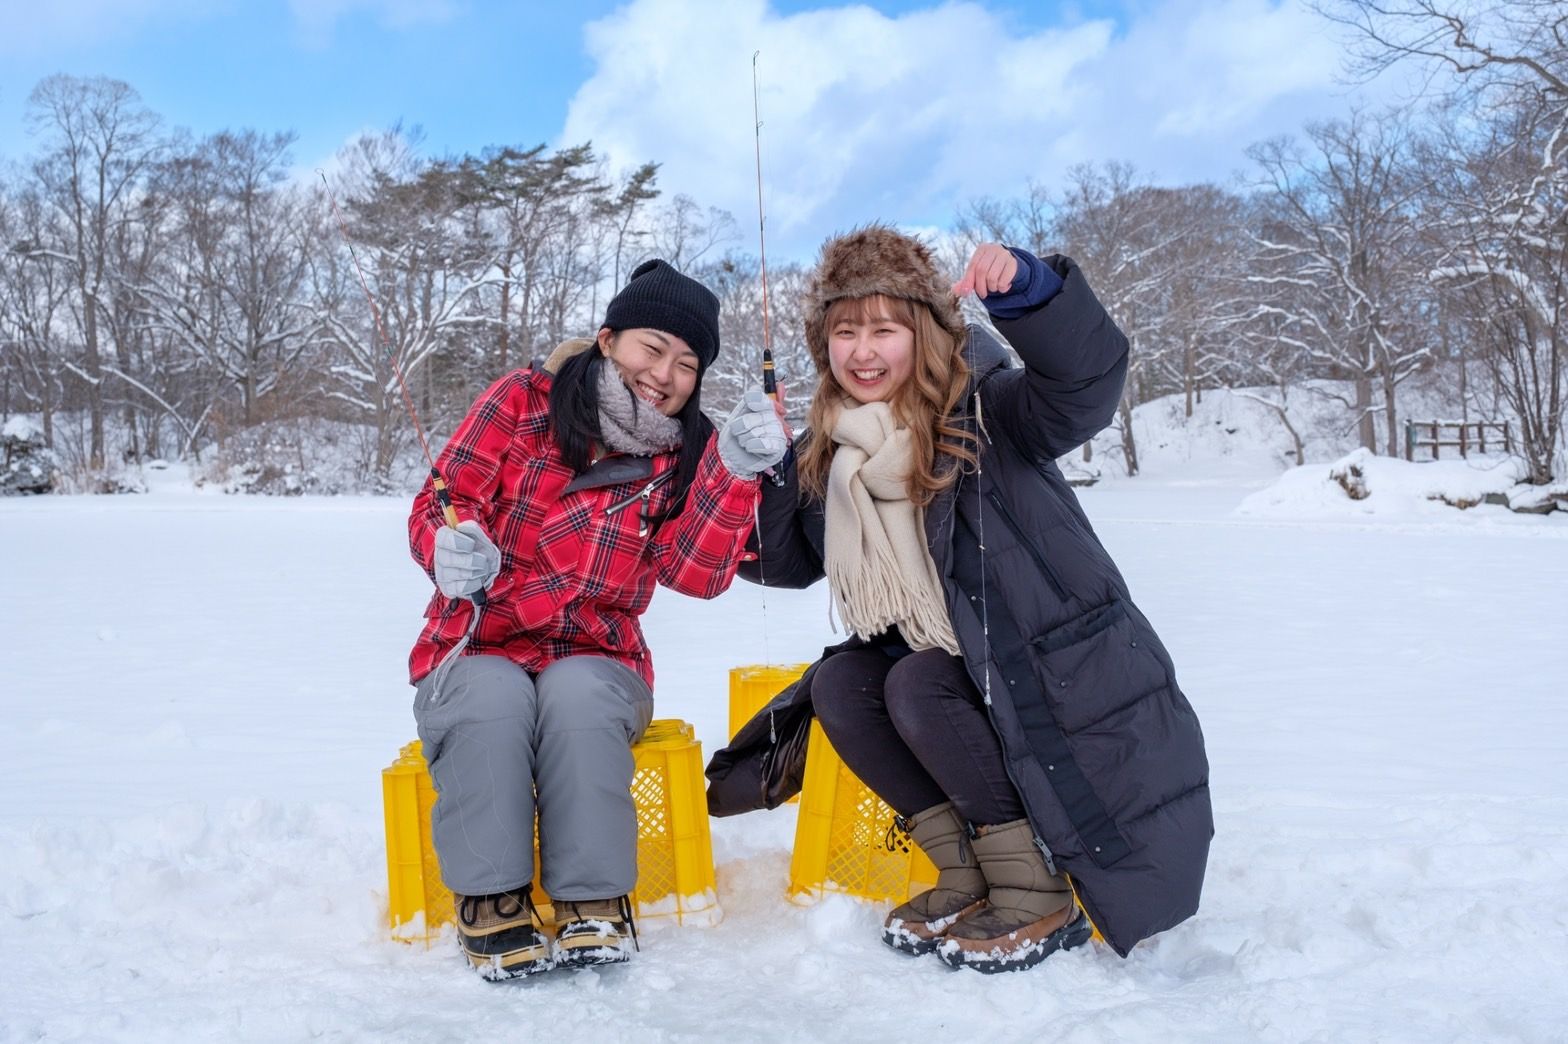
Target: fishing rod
point(770, 385)
point(437, 482)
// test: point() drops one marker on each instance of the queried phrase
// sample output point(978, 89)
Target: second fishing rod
point(769, 378)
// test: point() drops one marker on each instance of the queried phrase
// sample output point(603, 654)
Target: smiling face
point(871, 353)
point(659, 368)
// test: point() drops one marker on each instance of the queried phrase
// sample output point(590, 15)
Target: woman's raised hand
point(752, 438)
point(990, 271)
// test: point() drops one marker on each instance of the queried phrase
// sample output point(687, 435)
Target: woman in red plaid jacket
point(578, 485)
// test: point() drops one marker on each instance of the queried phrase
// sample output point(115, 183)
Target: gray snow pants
point(498, 739)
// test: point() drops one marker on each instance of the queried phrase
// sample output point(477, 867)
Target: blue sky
point(897, 111)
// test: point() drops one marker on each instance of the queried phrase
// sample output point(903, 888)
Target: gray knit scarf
point(877, 562)
point(627, 424)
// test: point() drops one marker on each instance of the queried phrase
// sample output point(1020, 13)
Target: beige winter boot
point(1029, 912)
point(594, 931)
point(501, 934)
point(916, 927)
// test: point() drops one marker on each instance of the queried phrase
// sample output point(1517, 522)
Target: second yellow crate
point(845, 839)
point(752, 687)
point(674, 849)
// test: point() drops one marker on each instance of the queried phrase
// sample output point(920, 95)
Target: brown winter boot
point(1029, 913)
point(501, 934)
point(594, 931)
point(917, 926)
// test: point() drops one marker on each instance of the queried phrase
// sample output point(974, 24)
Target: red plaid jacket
point(578, 566)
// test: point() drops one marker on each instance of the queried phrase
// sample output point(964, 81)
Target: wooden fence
point(1465, 436)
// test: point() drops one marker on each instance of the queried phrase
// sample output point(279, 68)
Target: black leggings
point(915, 730)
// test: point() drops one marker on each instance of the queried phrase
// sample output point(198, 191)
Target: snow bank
point(21, 429)
point(1361, 484)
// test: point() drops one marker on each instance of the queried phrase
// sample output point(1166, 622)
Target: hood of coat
point(564, 351)
point(984, 354)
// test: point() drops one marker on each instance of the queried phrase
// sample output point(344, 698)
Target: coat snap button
point(1135, 645)
point(1061, 684)
point(1096, 848)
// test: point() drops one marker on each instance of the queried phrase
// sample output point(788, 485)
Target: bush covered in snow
point(291, 458)
point(26, 464)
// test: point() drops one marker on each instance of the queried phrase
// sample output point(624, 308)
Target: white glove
point(752, 438)
point(466, 559)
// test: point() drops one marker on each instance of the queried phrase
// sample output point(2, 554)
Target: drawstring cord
point(438, 676)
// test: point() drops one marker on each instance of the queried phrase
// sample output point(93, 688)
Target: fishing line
point(437, 482)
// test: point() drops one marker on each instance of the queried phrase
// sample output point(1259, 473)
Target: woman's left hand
point(752, 439)
point(991, 271)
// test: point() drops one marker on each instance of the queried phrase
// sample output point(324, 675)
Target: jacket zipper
point(645, 495)
point(1039, 559)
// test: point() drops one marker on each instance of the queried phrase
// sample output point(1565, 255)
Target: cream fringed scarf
point(878, 565)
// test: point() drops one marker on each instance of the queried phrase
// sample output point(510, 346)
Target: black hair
point(574, 422)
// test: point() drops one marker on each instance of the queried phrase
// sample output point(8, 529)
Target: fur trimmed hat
point(872, 260)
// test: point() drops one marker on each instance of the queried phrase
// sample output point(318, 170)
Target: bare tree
point(99, 141)
point(229, 292)
point(1202, 290)
point(1027, 222)
point(531, 198)
point(1341, 236)
point(623, 210)
point(1119, 230)
point(1506, 262)
point(1518, 44)
point(423, 270)
point(1500, 72)
point(35, 284)
point(737, 280)
point(683, 234)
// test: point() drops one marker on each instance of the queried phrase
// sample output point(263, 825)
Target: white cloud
point(855, 105)
point(903, 118)
point(28, 27)
point(316, 19)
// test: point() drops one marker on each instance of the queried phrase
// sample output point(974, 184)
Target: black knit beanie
point(660, 298)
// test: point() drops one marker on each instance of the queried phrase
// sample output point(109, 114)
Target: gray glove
point(752, 439)
point(466, 559)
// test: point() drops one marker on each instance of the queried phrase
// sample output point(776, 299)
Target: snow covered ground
point(200, 691)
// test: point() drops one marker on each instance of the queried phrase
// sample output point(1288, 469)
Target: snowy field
point(200, 692)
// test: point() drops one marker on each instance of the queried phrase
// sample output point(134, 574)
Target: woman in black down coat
point(1001, 691)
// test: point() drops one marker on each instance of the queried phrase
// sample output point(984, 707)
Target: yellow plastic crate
point(752, 687)
point(843, 835)
point(843, 838)
point(674, 849)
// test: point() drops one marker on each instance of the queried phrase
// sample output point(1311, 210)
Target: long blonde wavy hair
point(924, 403)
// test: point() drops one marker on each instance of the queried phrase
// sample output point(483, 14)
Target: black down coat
point(1101, 744)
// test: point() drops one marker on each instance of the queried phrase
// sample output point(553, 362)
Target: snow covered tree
point(529, 202)
point(35, 286)
point(98, 141)
point(1506, 262)
point(1203, 289)
point(228, 292)
point(1502, 192)
point(736, 279)
point(422, 265)
point(1117, 228)
point(1340, 246)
